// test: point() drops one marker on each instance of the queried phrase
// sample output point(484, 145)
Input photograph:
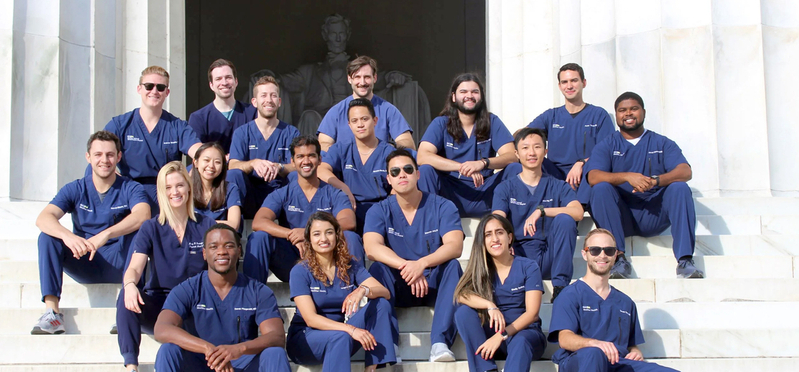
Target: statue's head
point(336, 32)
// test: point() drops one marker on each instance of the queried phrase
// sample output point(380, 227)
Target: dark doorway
point(430, 40)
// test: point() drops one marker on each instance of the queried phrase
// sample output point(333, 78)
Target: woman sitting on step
point(173, 243)
point(215, 198)
point(500, 296)
point(328, 286)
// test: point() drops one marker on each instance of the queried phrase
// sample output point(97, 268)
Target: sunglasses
point(594, 251)
point(149, 86)
point(408, 168)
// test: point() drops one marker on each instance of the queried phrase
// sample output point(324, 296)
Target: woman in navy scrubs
point(328, 286)
point(215, 198)
point(500, 296)
point(173, 243)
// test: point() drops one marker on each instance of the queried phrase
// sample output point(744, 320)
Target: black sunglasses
point(149, 86)
point(408, 168)
point(594, 251)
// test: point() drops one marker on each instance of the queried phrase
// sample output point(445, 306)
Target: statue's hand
point(396, 78)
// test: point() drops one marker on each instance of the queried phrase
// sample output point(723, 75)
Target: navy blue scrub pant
point(252, 190)
point(627, 214)
point(471, 201)
point(108, 265)
point(333, 349)
point(554, 254)
point(583, 190)
point(593, 359)
point(521, 349)
point(441, 281)
point(265, 252)
point(130, 325)
point(171, 358)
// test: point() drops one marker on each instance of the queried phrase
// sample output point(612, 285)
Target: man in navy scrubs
point(638, 180)
point(216, 121)
point(107, 210)
point(211, 321)
point(151, 136)
point(277, 247)
point(586, 314)
point(543, 210)
point(362, 75)
point(415, 239)
point(572, 131)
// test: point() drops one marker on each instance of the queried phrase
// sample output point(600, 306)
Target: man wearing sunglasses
point(596, 325)
point(216, 121)
point(415, 239)
point(638, 180)
point(278, 247)
point(151, 136)
point(361, 165)
point(544, 208)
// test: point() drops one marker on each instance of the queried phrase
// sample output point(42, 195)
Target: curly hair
point(341, 254)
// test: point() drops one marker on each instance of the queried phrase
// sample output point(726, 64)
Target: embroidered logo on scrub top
point(85, 208)
point(451, 145)
point(253, 147)
point(295, 209)
point(486, 141)
point(588, 308)
point(379, 171)
point(170, 142)
point(557, 126)
point(245, 308)
point(131, 137)
point(328, 209)
point(625, 312)
point(591, 125)
point(618, 153)
point(547, 200)
point(203, 307)
point(318, 290)
point(394, 232)
point(123, 206)
point(350, 167)
point(348, 287)
point(195, 246)
point(655, 152)
point(431, 231)
point(519, 288)
point(514, 201)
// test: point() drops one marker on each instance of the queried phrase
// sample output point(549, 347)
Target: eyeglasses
point(594, 251)
point(149, 86)
point(408, 168)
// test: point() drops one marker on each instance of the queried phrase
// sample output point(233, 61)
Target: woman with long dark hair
point(500, 296)
point(215, 198)
point(328, 286)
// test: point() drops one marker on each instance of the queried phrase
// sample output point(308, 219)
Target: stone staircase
point(742, 317)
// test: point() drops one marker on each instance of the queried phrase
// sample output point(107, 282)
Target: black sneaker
point(621, 269)
point(555, 292)
point(687, 270)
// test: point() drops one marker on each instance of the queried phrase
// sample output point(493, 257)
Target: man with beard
point(362, 75)
point(217, 121)
point(543, 210)
point(224, 312)
point(278, 247)
point(461, 149)
point(572, 130)
point(107, 210)
point(638, 180)
point(259, 150)
point(585, 315)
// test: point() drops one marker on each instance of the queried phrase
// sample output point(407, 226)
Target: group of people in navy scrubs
point(361, 225)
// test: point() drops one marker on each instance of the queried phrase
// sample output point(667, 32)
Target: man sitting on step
point(585, 315)
point(107, 210)
point(638, 180)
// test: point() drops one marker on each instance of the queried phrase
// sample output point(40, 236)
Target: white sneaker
point(441, 353)
point(49, 323)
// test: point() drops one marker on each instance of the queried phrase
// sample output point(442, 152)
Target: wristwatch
point(365, 289)
point(541, 208)
point(657, 179)
point(487, 162)
point(504, 335)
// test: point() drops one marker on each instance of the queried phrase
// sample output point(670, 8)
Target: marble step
point(683, 364)
point(678, 315)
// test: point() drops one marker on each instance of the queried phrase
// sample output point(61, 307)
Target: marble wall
point(717, 76)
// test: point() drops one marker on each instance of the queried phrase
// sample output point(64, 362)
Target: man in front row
point(277, 247)
point(415, 239)
point(107, 210)
point(585, 315)
point(223, 312)
point(543, 210)
point(638, 180)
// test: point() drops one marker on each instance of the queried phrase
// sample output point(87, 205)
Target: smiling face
point(153, 98)
point(223, 83)
point(497, 240)
point(531, 151)
point(601, 264)
point(630, 115)
point(103, 157)
point(209, 163)
point(323, 237)
point(363, 81)
point(403, 182)
point(220, 251)
point(467, 97)
point(362, 123)
point(571, 85)
point(177, 190)
point(267, 100)
point(305, 160)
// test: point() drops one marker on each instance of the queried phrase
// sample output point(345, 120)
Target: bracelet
point(487, 162)
point(352, 330)
point(126, 284)
point(281, 165)
point(492, 308)
point(365, 289)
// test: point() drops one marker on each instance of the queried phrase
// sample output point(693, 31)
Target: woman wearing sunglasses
point(328, 286)
point(500, 296)
point(215, 198)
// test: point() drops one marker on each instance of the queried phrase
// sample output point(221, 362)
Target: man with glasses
point(595, 324)
point(543, 210)
point(151, 136)
point(415, 239)
point(638, 180)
